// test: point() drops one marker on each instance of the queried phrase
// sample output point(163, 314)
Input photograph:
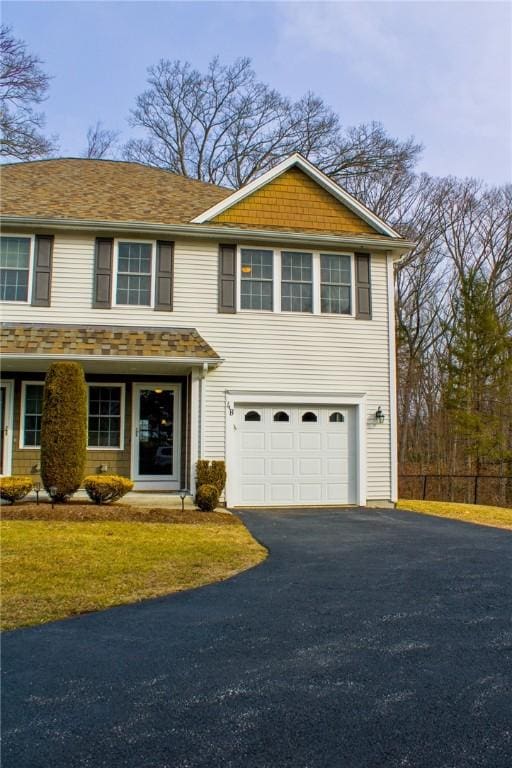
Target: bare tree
point(226, 127)
point(101, 142)
point(23, 84)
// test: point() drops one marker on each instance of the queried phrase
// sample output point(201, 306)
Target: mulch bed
point(112, 513)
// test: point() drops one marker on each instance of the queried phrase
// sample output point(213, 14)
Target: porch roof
point(43, 341)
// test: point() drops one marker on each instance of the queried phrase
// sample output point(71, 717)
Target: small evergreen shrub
point(207, 497)
point(63, 429)
point(202, 472)
point(103, 489)
point(211, 473)
point(218, 475)
point(15, 488)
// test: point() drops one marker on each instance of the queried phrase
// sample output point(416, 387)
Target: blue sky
point(441, 71)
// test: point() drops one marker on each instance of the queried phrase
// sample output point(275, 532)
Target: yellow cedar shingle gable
point(294, 201)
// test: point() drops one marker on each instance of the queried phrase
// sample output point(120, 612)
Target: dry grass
point(497, 517)
point(52, 569)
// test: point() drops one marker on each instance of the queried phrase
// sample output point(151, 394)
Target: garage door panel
point(310, 441)
point(281, 467)
point(253, 493)
point(337, 491)
point(281, 441)
point(335, 442)
point(253, 441)
point(281, 493)
point(253, 466)
point(335, 467)
point(310, 466)
point(309, 493)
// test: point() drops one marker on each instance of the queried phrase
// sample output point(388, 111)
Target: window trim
point(316, 279)
point(32, 238)
point(115, 262)
point(23, 402)
point(122, 386)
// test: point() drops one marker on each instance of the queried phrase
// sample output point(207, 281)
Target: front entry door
point(156, 436)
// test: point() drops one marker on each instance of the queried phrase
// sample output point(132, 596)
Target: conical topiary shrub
point(63, 429)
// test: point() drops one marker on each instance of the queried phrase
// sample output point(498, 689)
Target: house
point(255, 326)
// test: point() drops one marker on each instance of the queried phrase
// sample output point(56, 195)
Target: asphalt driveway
point(369, 638)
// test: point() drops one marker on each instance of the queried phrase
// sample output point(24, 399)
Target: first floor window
point(296, 282)
point(134, 266)
point(335, 284)
point(257, 279)
point(105, 416)
point(14, 268)
point(32, 412)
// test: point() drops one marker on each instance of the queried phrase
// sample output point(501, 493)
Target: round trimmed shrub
point(63, 429)
point(15, 488)
point(207, 498)
point(103, 489)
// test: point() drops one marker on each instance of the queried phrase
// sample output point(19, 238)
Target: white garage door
point(288, 455)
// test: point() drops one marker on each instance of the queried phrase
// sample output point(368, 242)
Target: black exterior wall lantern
point(379, 415)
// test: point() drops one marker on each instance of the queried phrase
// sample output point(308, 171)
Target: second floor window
point(296, 282)
point(134, 273)
point(335, 284)
point(257, 279)
point(14, 268)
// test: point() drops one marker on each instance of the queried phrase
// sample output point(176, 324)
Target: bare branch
point(22, 85)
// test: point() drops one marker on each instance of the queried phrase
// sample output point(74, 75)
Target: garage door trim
point(306, 399)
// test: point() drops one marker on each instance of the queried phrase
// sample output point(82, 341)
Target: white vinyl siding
point(263, 351)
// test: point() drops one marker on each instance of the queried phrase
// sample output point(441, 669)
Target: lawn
point(498, 517)
point(52, 569)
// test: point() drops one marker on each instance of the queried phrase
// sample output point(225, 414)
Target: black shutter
point(102, 298)
point(163, 276)
point(42, 281)
point(363, 286)
point(227, 278)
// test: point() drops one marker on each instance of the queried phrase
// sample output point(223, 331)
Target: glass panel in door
point(156, 432)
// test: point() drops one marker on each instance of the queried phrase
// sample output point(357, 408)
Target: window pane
point(297, 297)
point(296, 266)
point(256, 290)
point(335, 299)
point(335, 269)
point(105, 417)
point(32, 415)
point(15, 252)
